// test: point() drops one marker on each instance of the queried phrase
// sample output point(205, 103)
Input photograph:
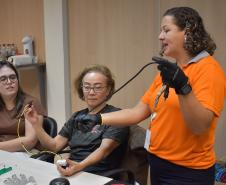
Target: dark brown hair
point(20, 93)
point(197, 38)
point(94, 68)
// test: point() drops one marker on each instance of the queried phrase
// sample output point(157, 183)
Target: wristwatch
point(186, 89)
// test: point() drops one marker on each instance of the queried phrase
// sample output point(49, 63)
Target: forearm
point(197, 117)
point(74, 167)
point(127, 116)
point(117, 118)
point(46, 141)
point(92, 159)
point(106, 147)
point(15, 145)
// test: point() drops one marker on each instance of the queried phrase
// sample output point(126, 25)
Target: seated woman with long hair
point(13, 100)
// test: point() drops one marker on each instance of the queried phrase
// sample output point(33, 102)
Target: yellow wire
point(18, 134)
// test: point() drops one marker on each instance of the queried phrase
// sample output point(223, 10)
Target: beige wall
point(20, 18)
point(123, 34)
point(117, 33)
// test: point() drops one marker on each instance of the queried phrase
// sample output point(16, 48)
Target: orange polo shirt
point(171, 139)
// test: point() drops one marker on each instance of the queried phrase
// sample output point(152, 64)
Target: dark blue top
point(83, 142)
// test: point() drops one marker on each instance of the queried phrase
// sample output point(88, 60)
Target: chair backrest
point(50, 126)
point(135, 158)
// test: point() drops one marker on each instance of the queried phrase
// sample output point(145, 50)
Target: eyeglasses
point(4, 79)
point(96, 89)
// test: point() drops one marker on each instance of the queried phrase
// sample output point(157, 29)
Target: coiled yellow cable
point(26, 107)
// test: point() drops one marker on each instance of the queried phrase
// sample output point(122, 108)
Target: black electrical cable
point(133, 77)
point(122, 86)
point(157, 61)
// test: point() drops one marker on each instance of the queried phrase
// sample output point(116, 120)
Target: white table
point(43, 172)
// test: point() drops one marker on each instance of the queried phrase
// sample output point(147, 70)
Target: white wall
point(57, 63)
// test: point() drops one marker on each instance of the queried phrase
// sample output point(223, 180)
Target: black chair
point(50, 126)
point(134, 166)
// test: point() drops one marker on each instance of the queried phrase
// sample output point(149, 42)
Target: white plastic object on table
point(61, 162)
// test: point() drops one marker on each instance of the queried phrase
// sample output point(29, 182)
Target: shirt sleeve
point(118, 134)
point(67, 129)
point(208, 85)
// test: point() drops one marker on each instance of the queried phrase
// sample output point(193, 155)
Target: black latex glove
point(173, 76)
point(87, 121)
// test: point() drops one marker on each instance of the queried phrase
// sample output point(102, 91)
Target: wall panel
point(17, 19)
point(116, 33)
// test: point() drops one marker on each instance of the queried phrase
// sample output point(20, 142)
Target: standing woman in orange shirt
point(181, 135)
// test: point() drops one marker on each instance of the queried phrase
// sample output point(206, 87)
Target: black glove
point(173, 76)
point(87, 121)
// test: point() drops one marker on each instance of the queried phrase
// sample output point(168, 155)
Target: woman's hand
point(72, 168)
point(173, 76)
point(33, 117)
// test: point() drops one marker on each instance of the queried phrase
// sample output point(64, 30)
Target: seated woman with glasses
point(94, 148)
point(12, 103)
